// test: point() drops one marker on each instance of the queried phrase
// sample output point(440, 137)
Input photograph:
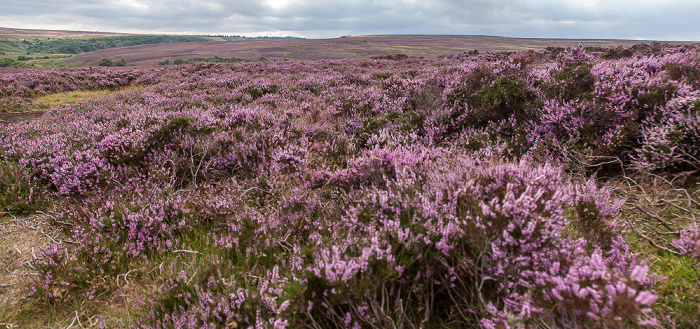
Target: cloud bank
point(622, 19)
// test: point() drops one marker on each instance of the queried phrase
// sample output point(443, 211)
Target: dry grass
point(20, 240)
point(78, 96)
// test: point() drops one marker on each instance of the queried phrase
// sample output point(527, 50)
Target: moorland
point(548, 186)
point(39, 48)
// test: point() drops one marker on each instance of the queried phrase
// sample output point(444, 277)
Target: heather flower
point(360, 192)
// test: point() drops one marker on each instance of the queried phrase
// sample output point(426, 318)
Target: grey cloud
point(672, 19)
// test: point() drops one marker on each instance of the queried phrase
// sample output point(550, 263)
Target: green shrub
point(6, 62)
point(217, 59)
point(617, 53)
point(501, 99)
point(681, 72)
point(106, 62)
point(165, 62)
point(121, 63)
point(572, 82)
point(179, 61)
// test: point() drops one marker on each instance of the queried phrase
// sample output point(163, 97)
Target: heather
point(20, 89)
point(330, 49)
point(541, 189)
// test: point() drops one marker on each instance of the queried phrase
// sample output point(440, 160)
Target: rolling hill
point(337, 48)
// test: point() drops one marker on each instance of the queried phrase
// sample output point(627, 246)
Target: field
point(12, 43)
point(556, 188)
point(21, 48)
point(338, 48)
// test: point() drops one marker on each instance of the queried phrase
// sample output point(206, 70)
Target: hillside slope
point(338, 48)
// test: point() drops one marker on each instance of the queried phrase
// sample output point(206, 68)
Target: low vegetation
point(76, 46)
point(41, 51)
point(34, 89)
point(215, 59)
point(549, 189)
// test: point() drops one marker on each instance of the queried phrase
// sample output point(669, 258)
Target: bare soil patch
point(13, 117)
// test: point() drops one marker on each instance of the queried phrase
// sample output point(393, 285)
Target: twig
point(125, 275)
point(651, 242)
point(157, 267)
point(657, 217)
point(74, 318)
point(188, 251)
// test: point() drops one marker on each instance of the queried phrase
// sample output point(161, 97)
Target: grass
point(117, 309)
point(20, 236)
point(40, 60)
point(78, 96)
point(121, 306)
point(679, 291)
point(648, 199)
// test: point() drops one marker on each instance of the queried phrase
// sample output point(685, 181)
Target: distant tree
point(165, 62)
point(262, 58)
point(2, 53)
point(106, 62)
point(121, 63)
point(179, 61)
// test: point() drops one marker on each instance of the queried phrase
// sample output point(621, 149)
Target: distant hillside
point(338, 48)
point(50, 48)
point(243, 37)
point(76, 46)
point(33, 33)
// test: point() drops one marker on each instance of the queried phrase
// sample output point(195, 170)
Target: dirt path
point(12, 117)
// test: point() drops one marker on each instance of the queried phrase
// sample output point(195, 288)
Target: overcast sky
point(624, 19)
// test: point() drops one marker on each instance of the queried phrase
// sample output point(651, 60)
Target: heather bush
point(373, 193)
point(52, 285)
point(110, 235)
point(671, 137)
point(19, 192)
point(689, 244)
point(416, 236)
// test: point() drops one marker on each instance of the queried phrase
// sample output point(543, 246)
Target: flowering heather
point(364, 193)
point(17, 88)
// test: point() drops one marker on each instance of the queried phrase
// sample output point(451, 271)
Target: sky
point(664, 20)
